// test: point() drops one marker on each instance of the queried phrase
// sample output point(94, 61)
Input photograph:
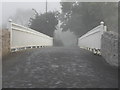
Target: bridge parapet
point(92, 39)
point(23, 37)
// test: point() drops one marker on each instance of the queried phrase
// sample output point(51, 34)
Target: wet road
point(57, 67)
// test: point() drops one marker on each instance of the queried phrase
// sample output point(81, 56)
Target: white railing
point(22, 37)
point(92, 39)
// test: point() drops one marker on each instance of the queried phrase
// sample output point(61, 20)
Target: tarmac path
point(57, 67)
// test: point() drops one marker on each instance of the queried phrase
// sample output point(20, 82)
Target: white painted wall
point(92, 39)
point(24, 37)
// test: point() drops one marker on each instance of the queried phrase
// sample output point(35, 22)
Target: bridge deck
point(56, 67)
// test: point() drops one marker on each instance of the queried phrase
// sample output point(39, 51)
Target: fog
point(9, 8)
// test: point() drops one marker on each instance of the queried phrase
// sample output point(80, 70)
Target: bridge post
point(10, 30)
point(104, 28)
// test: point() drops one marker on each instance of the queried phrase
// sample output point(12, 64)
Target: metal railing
point(23, 37)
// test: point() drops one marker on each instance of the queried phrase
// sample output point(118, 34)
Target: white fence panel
point(92, 39)
point(25, 37)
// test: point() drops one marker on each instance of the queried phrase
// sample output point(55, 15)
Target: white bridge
point(22, 38)
point(92, 39)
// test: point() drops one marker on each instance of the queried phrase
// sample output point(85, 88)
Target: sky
point(9, 8)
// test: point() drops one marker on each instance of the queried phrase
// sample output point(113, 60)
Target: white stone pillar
point(102, 27)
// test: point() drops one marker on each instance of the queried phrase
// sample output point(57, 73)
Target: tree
point(45, 23)
point(80, 17)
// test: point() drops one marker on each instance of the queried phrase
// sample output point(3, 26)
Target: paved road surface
point(57, 67)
